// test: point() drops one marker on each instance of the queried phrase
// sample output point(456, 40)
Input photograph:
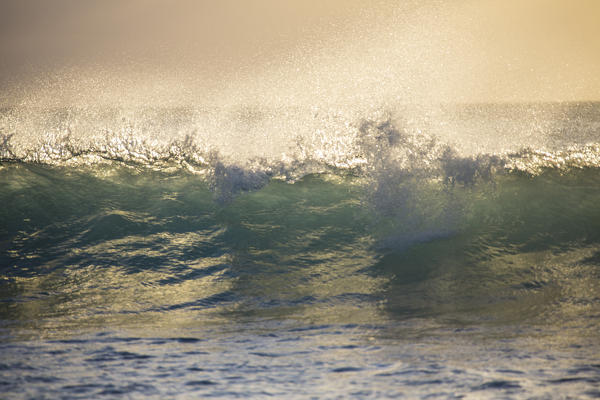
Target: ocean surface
point(248, 252)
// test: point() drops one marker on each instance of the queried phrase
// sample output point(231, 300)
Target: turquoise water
point(396, 266)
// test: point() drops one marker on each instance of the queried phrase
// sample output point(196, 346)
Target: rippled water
point(375, 261)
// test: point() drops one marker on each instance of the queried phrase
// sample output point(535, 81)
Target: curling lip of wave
point(365, 146)
point(61, 151)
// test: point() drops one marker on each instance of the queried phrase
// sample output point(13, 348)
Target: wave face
point(402, 248)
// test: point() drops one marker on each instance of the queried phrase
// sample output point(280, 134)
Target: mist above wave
point(241, 148)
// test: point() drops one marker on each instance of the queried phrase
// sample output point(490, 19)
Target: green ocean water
point(396, 266)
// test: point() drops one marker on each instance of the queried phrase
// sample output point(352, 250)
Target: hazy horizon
point(266, 52)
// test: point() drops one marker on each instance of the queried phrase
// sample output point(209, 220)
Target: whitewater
point(300, 252)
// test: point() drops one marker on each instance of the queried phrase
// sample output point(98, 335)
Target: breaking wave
point(242, 148)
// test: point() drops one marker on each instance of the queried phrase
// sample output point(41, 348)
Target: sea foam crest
point(291, 144)
point(533, 162)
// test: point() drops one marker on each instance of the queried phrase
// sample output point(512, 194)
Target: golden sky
point(298, 51)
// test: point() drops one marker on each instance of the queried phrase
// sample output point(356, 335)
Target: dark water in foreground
point(427, 275)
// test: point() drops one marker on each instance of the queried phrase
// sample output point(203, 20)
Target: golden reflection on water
point(93, 297)
point(549, 289)
point(97, 297)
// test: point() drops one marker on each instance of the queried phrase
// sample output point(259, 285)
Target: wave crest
point(237, 154)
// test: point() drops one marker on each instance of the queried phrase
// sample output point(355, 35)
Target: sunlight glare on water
point(299, 199)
